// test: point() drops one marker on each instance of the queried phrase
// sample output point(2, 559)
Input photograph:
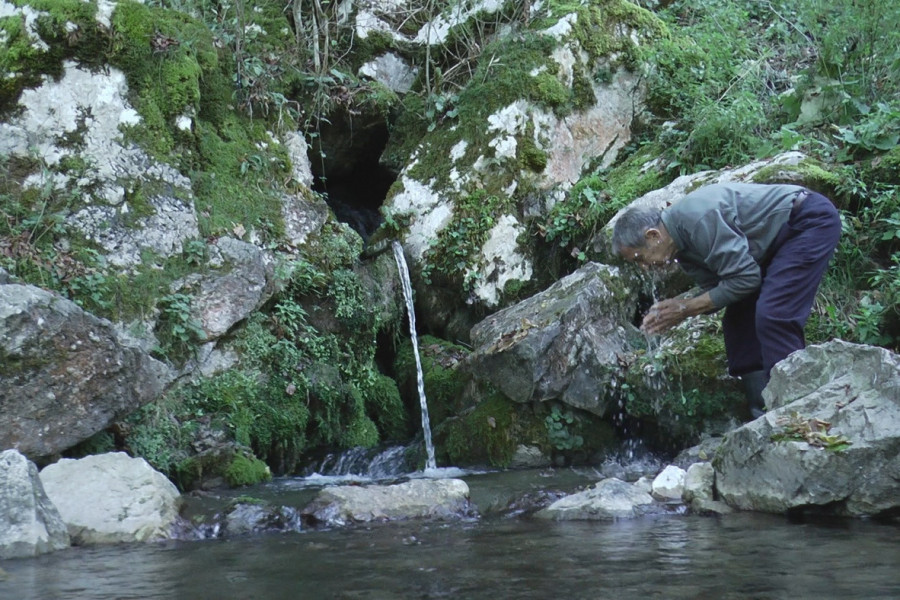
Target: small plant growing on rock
point(797, 428)
point(559, 429)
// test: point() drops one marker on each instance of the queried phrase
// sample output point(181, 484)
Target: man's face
point(653, 254)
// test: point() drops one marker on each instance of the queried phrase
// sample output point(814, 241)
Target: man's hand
point(668, 313)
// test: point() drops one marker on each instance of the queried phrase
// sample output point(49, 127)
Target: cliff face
point(158, 185)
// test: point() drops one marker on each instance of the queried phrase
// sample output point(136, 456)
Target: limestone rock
point(609, 499)
point(109, 498)
point(392, 71)
point(699, 481)
point(242, 284)
point(669, 484)
point(415, 499)
point(561, 344)
point(526, 150)
point(830, 441)
point(65, 374)
point(29, 522)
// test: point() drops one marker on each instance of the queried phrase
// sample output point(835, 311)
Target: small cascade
point(366, 462)
point(430, 463)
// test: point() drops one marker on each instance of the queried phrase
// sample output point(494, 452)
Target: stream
point(501, 554)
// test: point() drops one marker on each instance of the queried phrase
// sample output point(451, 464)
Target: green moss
point(67, 27)
point(550, 92)
point(246, 470)
point(360, 432)
point(458, 244)
point(385, 406)
point(808, 172)
point(582, 90)
point(531, 157)
point(885, 168)
point(444, 382)
point(695, 391)
point(482, 436)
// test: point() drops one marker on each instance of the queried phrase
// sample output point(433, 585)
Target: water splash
point(430, 463)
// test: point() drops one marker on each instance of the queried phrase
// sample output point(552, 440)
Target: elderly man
point(759, 251)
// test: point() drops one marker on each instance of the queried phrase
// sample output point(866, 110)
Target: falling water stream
point(430, 463)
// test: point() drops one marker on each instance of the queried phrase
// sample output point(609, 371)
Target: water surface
point(498, 556)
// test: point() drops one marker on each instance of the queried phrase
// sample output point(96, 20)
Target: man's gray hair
point(630, 227)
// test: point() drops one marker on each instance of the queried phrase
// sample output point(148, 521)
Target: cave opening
point(345, 158)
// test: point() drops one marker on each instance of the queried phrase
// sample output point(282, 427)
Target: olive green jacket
point(724, 232)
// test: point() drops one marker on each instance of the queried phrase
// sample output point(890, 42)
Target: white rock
point(29, 523)
point(609, 499)
point(699, 481)
point(419, 498)
point(392, 71)
point(504, 262)
point(669, 485)
point(108, 498)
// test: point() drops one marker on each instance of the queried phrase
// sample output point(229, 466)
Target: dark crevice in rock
point(345, 162)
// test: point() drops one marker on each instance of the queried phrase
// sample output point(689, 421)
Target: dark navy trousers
point(764, 328)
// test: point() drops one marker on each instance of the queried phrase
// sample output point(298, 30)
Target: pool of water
point(497, 556)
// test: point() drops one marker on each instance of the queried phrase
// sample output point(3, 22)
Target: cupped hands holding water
point(666, 314)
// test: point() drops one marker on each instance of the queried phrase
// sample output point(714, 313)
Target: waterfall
point(430, 463)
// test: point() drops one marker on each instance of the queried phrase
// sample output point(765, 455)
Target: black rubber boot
point(754, 384)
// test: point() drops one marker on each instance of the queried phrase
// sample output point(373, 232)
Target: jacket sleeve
point(726, 252)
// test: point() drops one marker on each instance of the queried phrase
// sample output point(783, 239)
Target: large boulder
point(65, 374)
point(554, 95)
point(110, 498)
point(29, 522)
point(561, 344)
point(415, 499)
point(830, 441)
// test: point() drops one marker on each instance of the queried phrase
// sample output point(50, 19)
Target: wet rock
point(699, 481)
point(109, 498)
point(528, 457)
point(252, 518)
point(29, 523)
point(702, 452)
point(65, 374)
point(608, 499)
point(710, 507)
point(669, 484)
point(415, 499)
point(561, 344)
point(644, 484)
point(830, 440)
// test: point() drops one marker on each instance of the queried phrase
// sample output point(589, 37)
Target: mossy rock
point(444, 382)
point(485, 435)
point(385, 407)
point(229, 465)
point(885, 168)
point(808, 172)
point(682, 388)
